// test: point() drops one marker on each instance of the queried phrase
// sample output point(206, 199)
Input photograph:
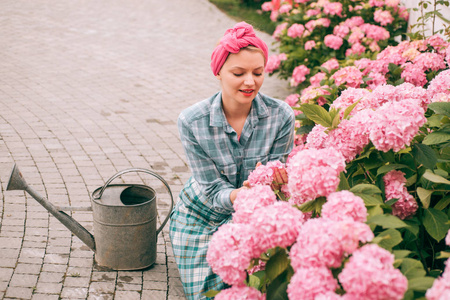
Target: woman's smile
point(247, 92)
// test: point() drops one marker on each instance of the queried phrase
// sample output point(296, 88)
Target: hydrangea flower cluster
point(240, 292)
point(331, 29)
point(406, 206)
point(369, 274)
point(237, 239)
point(313, 173)
point(395, 124)
point(265, 174)
point(248, 200)
point(344, 205)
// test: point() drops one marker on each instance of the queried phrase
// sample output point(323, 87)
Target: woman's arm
point(217, 189)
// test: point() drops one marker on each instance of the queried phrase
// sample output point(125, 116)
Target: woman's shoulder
point(198, 110)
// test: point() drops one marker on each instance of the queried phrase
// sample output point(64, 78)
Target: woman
point(224, 137)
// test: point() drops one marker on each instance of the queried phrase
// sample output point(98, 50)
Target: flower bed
point(365, 211)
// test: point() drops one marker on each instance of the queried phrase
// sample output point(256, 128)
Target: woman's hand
point(234, 193)
point(279, 178)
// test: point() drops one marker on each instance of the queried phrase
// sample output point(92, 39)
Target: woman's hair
point(239, 37)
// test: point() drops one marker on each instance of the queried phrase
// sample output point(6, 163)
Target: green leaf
point(253, 281)
point(317, 113)
point(211, 293)
point(364, 188)
point(277, 264)
point(315, 205)
point(387, 221)
point(434, 177)
point(424, 196)
point(436, 137)
point(401, 253)
point(424, 155)
point(434, 222)
point(443, 255)
point(420, 284)
point(343, 182)
point(412, 268)
point(443, 203)
point(349, 109)
point(390, 167)
point(390, 239)
point(369, 193)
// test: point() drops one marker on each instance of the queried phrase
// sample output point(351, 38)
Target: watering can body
point(125, 217)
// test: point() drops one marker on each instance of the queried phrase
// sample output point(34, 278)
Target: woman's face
point(241, 77)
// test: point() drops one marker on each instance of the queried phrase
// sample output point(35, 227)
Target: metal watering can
point(124, 220)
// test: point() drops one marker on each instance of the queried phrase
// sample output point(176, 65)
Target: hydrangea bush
point(365, 211)
point(311, 32)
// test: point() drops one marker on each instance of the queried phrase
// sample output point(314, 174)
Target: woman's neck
point(236, 116)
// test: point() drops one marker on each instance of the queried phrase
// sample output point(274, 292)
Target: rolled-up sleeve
point(214, 185)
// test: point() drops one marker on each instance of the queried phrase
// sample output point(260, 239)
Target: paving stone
point(19, 292)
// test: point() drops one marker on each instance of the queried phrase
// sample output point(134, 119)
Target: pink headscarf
point(240, 36)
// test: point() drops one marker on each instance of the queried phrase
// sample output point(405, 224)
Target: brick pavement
point(87, 89)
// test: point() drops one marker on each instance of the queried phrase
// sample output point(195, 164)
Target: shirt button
point(222, 172)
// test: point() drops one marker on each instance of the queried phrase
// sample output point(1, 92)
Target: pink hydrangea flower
point(310, 45)
point(441, 286)
point(313, 94)
point(356, 49)
point(344, 205)
point(316, 79)
point(333, 41)
point(279, 30)
point(265, 174)
point(313, 173)
point(240, 292)
point(267, 6)
point(430, 61)
point(325, 243)
point(353, 22)
point(356, 35)
point(331, 64)
point(370, 275)
point(383, 17)
point(296, 30)
point(313, 12)
point(341, 31)
point(374, 47)
point(350, 76)
point(278, 225)
point(237, 239)
point(378, 79)
point(333, 8)
point(299, 75)
point(447, 238)
point(439, 87)
point(414, 74)
point(349, 138)
point(274, 61)
point(249, 200)
point(388, 133)
point(392, 3)
point(308, 283)
point(375, 32)
point(403, 13)
point(292, 99)
point(395, 188)
point(348, 97)
point(377, 3)
point(285, 8)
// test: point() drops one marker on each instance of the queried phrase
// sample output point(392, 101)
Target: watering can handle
point(99, 195)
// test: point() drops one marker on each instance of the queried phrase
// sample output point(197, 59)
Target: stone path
point(87, 89)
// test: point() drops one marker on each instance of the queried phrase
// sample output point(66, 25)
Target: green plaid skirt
point(192, 224)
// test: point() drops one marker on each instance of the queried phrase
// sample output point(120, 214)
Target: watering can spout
point(17, 182)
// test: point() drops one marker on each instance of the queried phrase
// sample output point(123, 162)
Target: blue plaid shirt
point(218, 160)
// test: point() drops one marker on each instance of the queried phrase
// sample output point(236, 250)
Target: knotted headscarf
point(234, 39)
